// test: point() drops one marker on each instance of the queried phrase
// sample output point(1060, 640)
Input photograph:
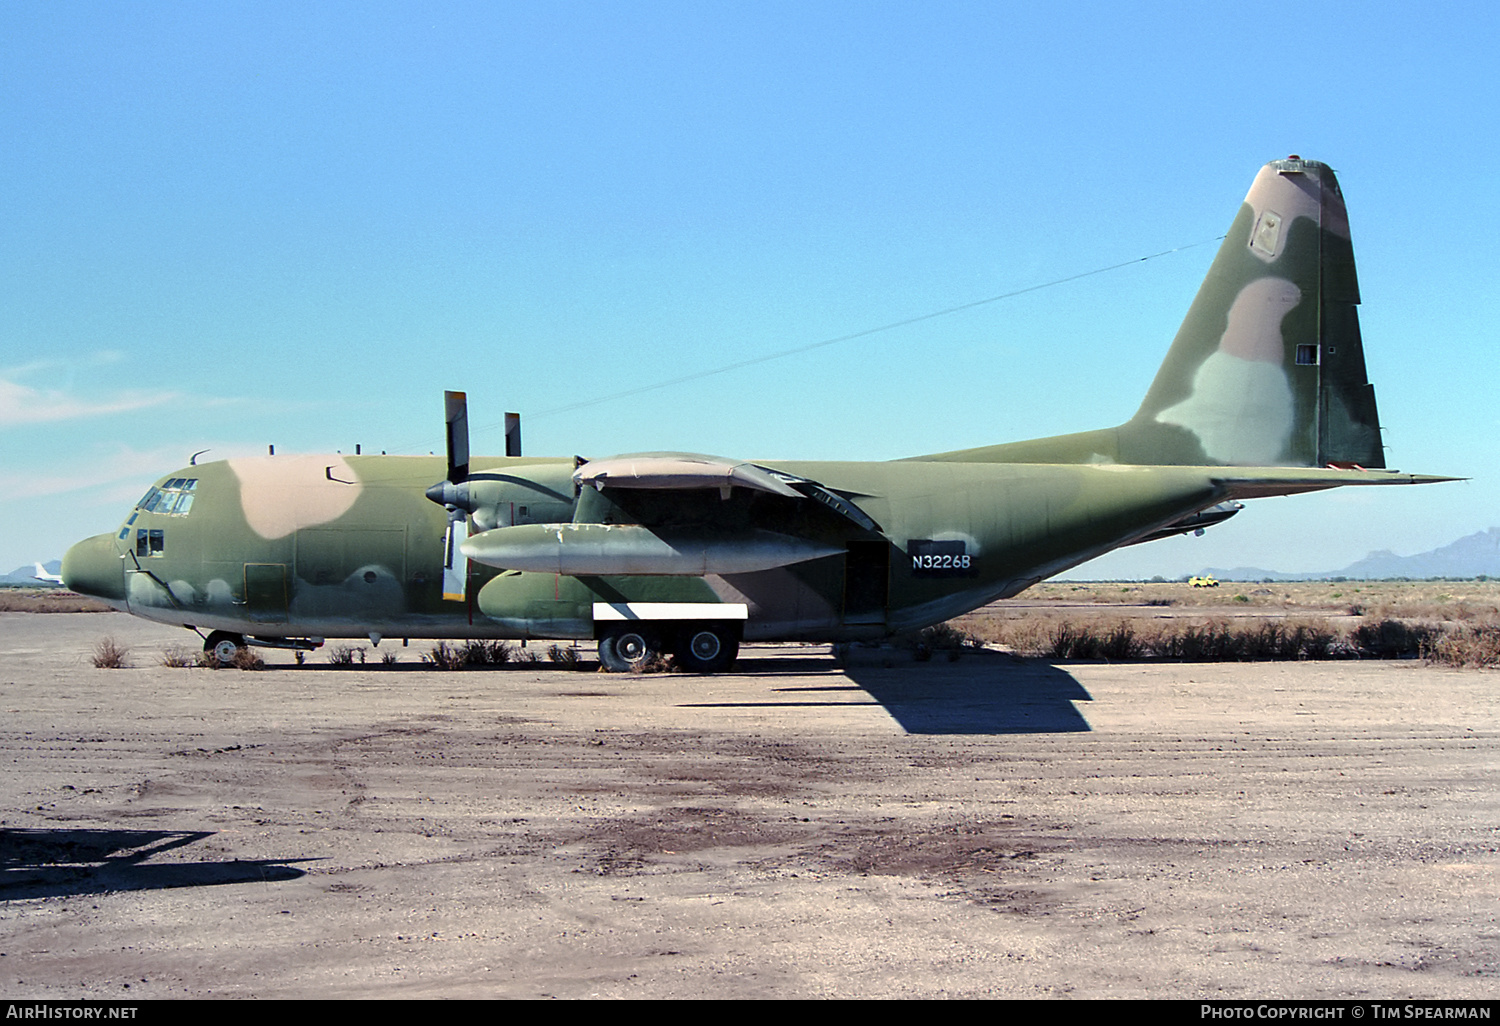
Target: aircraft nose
point(93, 567)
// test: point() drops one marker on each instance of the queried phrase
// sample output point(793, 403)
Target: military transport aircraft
point(1263, 392)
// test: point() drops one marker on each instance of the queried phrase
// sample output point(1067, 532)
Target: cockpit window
point(175, 498)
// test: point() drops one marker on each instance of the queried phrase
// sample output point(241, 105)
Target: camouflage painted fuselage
point(343, 546)
point(1263, 392)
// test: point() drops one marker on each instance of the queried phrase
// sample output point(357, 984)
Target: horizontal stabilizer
point(1259, 482)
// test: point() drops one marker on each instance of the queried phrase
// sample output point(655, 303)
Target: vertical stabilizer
point(1268, 368)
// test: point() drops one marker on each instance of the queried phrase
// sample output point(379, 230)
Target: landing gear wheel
point(707, 649)
point(625, 649)
point(221, 648)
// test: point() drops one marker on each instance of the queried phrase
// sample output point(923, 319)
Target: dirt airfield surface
point(989, 827)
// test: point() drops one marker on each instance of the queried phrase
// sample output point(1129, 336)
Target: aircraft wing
point(656, 470)
point(675, 471)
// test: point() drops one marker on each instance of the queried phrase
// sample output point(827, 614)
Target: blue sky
point(234, 224)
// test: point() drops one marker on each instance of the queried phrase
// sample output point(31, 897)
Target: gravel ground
point(990, 827)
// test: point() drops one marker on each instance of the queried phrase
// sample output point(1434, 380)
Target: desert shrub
point(390, 657)
point(1119, 642)
point(1211, 641)
point(110, 654)
point(1466, 645)
point(567, 658)
point(245, 658)
point(1195, 642)
point(941, 637)
point(1390, 638)
point(487, 653)
point(345, 655)
point(654, 663)
point(180, 656)
point(444, 656)
point(1068, 639)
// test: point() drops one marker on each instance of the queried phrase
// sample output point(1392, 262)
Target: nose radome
point(93, 567)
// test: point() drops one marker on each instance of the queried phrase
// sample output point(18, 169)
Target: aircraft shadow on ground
point(60, 863)
point(982, 693)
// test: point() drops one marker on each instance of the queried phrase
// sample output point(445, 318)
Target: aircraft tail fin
point(1268, 368)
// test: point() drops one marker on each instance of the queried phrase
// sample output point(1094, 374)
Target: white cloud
point(133, 468)
point(20, 404)
point(73, 363)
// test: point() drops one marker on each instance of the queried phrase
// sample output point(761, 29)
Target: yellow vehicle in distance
point(1208, 581)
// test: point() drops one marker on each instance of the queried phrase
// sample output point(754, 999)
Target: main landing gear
point(221, 647)
point(697, 648)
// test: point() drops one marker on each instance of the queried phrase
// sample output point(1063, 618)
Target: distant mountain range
point(1472, 556)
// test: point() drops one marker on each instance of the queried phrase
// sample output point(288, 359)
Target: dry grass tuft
point(1213, 640)
point(246, 659)
point(1467, 645)
point(109, 654)
point(181, 657)
point(944, 637)
point(567, 658)
point(346, 655)
point(488, 653)
point(444, 656)
point(656, 663)
point(1454, 622)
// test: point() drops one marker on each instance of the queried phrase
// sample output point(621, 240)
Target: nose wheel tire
point(622, 651)
point(707, 650)
point(221, 647)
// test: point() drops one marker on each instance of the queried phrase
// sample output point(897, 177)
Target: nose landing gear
point(221, 648)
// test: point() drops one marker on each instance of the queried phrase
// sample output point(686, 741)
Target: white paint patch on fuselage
point(279, 494)
point(1241, 405)
point(218, 593)
point(142, 591)
point(1241, 410)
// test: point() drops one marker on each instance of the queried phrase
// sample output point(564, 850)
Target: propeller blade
point(456, 413)
point(512, 434)
point(455, 564)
